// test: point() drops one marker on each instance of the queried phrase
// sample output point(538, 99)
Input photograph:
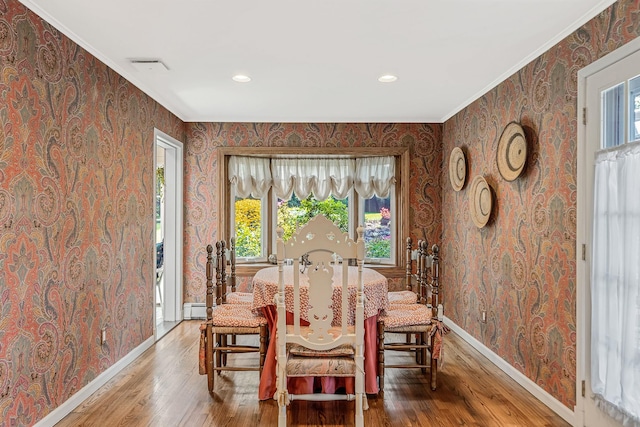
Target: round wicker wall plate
point(480, 201)
point(457, 168)
point(512, 151)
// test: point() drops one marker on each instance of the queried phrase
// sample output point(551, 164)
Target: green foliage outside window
point(378, 248)
point(295, 213)
point(248, 228)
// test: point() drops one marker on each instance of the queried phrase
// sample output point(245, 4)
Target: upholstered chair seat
point(402, 297)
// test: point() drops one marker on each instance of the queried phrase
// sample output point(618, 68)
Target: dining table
point(265, 287)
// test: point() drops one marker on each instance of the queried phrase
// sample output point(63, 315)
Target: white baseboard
point(195, 310)
point(74, 401)
point(542, 395)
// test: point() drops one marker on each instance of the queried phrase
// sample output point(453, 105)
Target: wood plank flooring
point(163, 388)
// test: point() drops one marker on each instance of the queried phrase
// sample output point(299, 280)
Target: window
point(379, 228)
point(251, 227)
point(634, 107)
point(254, 214)
point(613, 113)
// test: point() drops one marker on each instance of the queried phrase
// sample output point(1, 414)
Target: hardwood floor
point(163, 388)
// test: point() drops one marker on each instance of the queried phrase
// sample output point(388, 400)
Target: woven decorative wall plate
point(512, 151)
point(480, 201)
point(457, 168)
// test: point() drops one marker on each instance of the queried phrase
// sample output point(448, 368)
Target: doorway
point(605, 83)
point(168, 287)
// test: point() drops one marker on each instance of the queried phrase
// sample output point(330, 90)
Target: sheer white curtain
point(250, 175)
point(615, 283)
point(375, 176)
point(322, 177)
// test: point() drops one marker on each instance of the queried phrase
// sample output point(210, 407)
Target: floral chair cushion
point(403, 297)
point(406, 315)
point(236, 315)
point(320, 366)
point(240, 298)
point(340, 351)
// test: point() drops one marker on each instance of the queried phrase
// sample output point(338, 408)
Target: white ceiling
point(317, 60)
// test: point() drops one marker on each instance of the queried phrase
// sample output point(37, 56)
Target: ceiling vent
point(149, 65)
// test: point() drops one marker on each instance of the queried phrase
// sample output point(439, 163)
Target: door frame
point(173, 229)
point(584, 197)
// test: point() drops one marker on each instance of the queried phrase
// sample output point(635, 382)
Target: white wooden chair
point(323, 348)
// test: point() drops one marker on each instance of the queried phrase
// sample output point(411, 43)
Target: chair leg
point(282, 415)
point(223, 343)
point(264, 334)
point(381, 355)
point(218, 352)
point(424, 339)
point(359, 410)
point(209, 355)
point(434, 372)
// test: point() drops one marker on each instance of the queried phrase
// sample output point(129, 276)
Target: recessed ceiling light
point(387, 78)
point(241, 78)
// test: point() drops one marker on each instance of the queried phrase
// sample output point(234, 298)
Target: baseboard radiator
point(195, 310)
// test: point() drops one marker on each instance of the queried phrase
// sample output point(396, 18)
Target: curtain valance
point(322, 177)
point(375, 176)
point(250, 175)
point(303, 176)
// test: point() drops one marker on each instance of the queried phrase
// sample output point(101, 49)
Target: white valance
point(322, 177)
point(250, 175)
point(375, 176)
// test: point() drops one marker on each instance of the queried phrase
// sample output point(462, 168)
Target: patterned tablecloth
point(265, 287)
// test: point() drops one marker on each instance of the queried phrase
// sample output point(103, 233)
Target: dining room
point(78, 268)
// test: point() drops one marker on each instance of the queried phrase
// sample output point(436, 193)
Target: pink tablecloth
point(265, 286)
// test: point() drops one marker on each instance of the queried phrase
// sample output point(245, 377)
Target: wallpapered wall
point(76, 215)
point(201, 173)
point(76, 200)
point(523, 269)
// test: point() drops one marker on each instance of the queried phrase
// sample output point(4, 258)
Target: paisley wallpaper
point(76, 215)
point(76, 208)
point(423, 140)
point(523, 269)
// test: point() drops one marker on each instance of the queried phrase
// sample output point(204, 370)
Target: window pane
point(248, 213)
point(613, 116)
point(377, 233)
point(634, 107)
point(295, 213)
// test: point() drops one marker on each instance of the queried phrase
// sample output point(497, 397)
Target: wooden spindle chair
point(417, 320)
point(224, 319)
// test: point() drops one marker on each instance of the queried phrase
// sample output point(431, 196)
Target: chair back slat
point(435, 280)
point(210, 287)
point(408, 275)
point(221, 273)
point(232, 264)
